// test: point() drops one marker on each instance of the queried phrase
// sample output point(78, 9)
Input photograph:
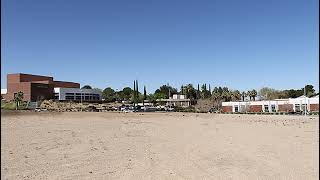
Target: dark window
point(266, 108)
point(78, 94)
point(236, 108)
point(69, 94)
point(69, 97)
point(297, 107)
point(273, 108)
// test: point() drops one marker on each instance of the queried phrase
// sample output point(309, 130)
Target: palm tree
point(236, 95)
point(216, 95)
point(226, 95)
point(243, 95)
point(254, 94)
point(249, 94)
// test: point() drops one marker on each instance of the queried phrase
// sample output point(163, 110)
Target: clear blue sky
point(240, 44)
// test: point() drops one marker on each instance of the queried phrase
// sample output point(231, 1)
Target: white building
point(176, 100)
point(77, 94)
point(276, 105)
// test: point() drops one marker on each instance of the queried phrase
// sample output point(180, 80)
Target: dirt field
point(158, 146)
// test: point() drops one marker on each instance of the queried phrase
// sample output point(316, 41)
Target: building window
point(236, 108)
point(297, 107)
point(69, 97)
point(266, 108)
point(273, 108)
point(303, 106)
point(68, 94)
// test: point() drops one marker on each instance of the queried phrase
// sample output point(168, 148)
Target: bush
point(187, 109)
point(12, 105)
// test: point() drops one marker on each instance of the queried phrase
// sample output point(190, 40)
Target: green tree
point(86, 87)
point(18, 98)
point(127, 93)
point(181, 90)
point(236, 96)
point(164, 90)
point(191, 93)
point(309, 90)
point(249, 93)
point(144, 93)
point(254, 94)
point(266, 93)
point(108, 94)
point(216, 95)
point(243, 95)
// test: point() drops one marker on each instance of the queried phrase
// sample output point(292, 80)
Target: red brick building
point(34, 87)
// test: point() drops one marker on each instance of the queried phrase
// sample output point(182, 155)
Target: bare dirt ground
point(158, 146)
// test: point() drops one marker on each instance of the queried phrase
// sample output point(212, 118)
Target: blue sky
point(240, 44)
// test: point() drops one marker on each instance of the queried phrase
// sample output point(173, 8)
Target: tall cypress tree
point(144, 93)
point(137, 89)
point(134, 94)
point(182, 92)
point(198, 92)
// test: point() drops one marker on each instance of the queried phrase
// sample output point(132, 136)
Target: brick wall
point(255, 108)
point(314, 107)
point(25, 87)
point(226, 108)
point(64, 84)
point(285, 108)
point(30, 77)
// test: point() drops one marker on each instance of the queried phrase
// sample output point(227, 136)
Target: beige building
point(176, 100)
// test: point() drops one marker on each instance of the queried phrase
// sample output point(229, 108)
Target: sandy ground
point(158, 146)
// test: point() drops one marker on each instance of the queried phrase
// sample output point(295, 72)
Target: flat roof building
point(176, 100)
point(299, 104)
point(34, 87)
point(76, 94)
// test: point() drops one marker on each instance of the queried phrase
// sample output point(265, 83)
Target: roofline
point(28, 74)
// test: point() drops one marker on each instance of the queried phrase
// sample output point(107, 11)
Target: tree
point(98, 89)
point(18, 98)
point(249, 93)
point(108, 94)
point(243, 95)
point(309, 90)
point(254, 94)
point(164, 91)
point(86, 87)
point(266, 93)
point(127, 93)
point(191, 93)
point(181, 90)
point(198, 92)
point(216, 95)
point(236, 96)
point(144, 93)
